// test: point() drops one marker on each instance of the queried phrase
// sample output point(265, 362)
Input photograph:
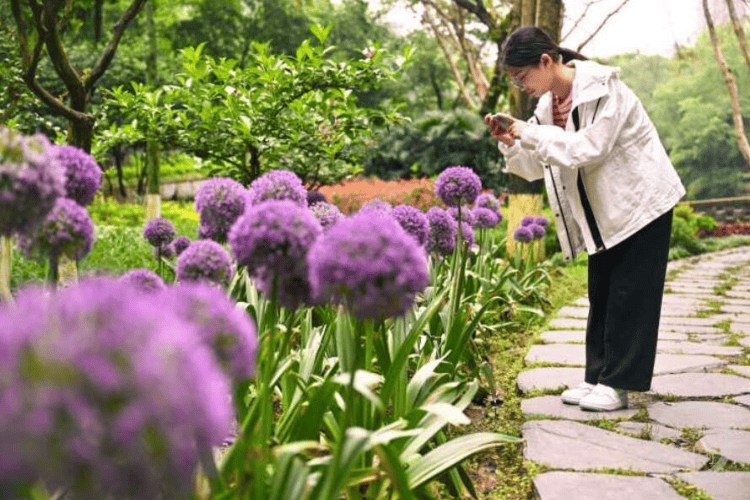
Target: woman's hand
point(503, 128)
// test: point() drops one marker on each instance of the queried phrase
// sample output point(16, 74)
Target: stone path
point(691, 428)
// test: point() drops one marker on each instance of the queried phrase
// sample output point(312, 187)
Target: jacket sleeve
point(592, 143)
point(522, 162)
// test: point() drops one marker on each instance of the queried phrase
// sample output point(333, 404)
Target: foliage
point(297, 113)
point(437, 140)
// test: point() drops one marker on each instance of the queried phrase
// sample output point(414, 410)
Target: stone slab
point(740, 370)
point(567, 324)
point(743, 400)
point(700, 385)
point(573, 312)
point(654, 431)
point(739, 327)
point(558, 485)
point(720, 485)
point(582, 302)
point(552, 406)
point(676, 347)
point(687, 321)
point(737, 295)
point(736, 309)
point(732, 444)
point(700, 414)
point(561, 354)
point(745, 341)
point(549, 378)
point(684, 363)
point(715, 339)
point(564, 336)
point(697, 329)
point(673, 336)
point(574, 446)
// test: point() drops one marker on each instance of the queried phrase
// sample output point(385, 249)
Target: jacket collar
point(590, 83)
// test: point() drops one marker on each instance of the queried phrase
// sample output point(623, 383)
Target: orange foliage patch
point(350, 195)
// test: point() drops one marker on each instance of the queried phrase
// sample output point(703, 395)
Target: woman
point(612, 190)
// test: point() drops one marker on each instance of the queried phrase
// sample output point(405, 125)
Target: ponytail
point(527, 44)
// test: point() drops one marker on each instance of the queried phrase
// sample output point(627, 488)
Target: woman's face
point(534, 80)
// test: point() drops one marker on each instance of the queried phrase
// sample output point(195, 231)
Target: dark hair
point(527, 44)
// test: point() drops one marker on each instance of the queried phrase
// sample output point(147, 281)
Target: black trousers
point(625, 287)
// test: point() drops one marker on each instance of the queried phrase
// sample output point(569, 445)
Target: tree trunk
point(153, 197)
point(6, 253)
point(740, 32)
point(731, 83)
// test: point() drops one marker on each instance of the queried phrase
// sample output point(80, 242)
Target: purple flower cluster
point(467, 214)
point(67, 230)
point(159, 232)
point(484, 218)
point(523, 234)
point(204, 260)
point(458, 185)
point(443, 228)
point(101, 381)
point(536, 225)
point(180, 244)
point(278, 185)
point(467, 233)
point(83, 174)
point(414, 222)
point(377, 205)
point(314, 196)
point(31, 180)
point(272, 240)
point(226, 329)
point(220, 202)
point(327, 213)
point(144, 280)
point(487, 200)
point(368, 262)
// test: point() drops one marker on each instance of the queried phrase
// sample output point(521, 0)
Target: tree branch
point(57, 54)
point(582, 44)
point(580, 18)
point(109, 51)
point(739, 31)
point(478, 9)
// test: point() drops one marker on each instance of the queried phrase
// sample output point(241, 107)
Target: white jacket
point(626, 173)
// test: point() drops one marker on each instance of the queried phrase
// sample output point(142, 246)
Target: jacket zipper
point(590, 219)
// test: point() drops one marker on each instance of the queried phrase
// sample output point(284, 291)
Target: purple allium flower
point(180, 244)
point(458, 185)
point(467, 214)
point(144, 280)
point(377, 205)
point(225, 328)
point(537, 230)
point(443, 227)
point(121, 389)
point(165, 251)
point(83, 174)
point(368, 262)
point(278, 185)
point(204, 260)
point(67, 230)
point(326, 213)
point(273, 237)
point(315, 196)
point(220, 202)
point(485, 218)
point(527, 221)
point(159, 232)
point(414, 222)
point(31, 180)
point(487, 200)
point(541, 221)
point(467, 233)
point(523, 234)
point(292, 288)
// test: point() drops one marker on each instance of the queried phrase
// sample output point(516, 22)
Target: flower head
point(467, 214)
point(278, 185)
point(144, 280)
point(204, 260)
point(273, 237)
point(537, 230)
point(180, 244)
point(485, 218)
point(487, 200)
point(314, 196)
point(368, 262)
point(326, 213)
point(527, 221)
point(67, 230)
point(165, 251)
point(442, 237)
point(541, 221)
point(414, 222)
point(467, 233)
point(83, 174)
point(377, 205)
point(458, 185)
point(220, 202)
point(225, 328)
point(31, 180)
point(523, 234)
point(159, 231)
point(122, 391)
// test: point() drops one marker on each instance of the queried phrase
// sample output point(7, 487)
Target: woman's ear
point(546, 61)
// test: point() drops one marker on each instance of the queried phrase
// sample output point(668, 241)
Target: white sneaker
point(605, 398)
point(574, 395)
